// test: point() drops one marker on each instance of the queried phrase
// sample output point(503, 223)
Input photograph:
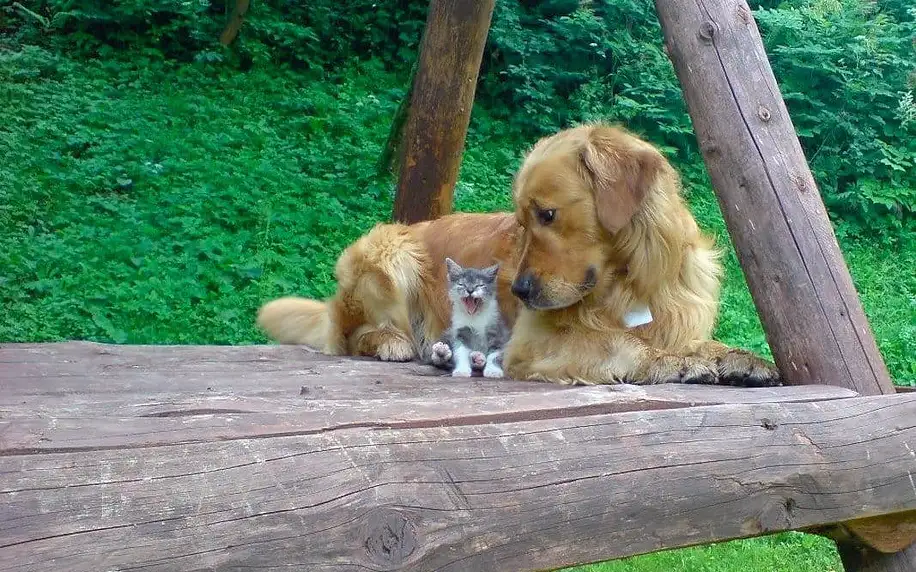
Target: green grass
point(787, 552)
point(148, 204)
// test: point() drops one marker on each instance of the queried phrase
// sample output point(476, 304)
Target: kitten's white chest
point(479, 321)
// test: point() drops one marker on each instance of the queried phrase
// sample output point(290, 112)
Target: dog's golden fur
point(620, 234)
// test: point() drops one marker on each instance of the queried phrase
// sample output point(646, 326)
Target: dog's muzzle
point(526, 287)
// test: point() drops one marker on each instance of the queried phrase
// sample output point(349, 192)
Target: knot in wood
point(707, 31)
point(390, 537)
point(763, 113)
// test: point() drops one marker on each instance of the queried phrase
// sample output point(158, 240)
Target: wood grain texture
point(811, 313)
point(440, 110)
point(103, 468)
point(84, 395)
point(801, 286)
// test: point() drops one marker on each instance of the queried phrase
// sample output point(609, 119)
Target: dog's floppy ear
point(621, 173)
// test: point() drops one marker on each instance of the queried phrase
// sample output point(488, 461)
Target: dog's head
point(573, 193)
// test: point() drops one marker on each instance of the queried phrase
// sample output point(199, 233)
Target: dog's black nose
point(523, 286)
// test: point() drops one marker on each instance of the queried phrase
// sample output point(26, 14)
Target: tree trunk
point(801, 286)
point(440, 111)
point(393, 145)
point(236, 18)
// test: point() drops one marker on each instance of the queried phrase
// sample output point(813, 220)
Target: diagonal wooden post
point(440, 109)
point(811, 313)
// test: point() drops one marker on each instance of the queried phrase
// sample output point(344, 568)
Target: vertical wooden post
point(440, 110)
point(801, 286)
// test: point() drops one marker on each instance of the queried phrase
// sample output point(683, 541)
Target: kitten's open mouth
point(471, 304)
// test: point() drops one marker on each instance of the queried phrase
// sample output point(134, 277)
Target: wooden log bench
point(277, 457)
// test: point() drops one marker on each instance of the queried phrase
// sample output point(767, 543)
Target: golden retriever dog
point(599, 229)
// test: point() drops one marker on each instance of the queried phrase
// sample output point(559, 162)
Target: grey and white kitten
point(477, 334)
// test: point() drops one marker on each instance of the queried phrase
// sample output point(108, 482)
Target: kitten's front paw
point(493, 371)
point(478, 360)
point(441, 353)
point(459, 372)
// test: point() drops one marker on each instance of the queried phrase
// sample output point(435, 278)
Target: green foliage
point(322, 34)
point(788, 552)
point(559, 63)
point(156, 204)
point(847, 70)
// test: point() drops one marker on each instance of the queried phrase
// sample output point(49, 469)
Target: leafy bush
point(848, 73)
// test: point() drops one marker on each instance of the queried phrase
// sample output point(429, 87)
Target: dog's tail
point(294, 320)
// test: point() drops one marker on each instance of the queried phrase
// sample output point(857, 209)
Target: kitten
point(477, 335)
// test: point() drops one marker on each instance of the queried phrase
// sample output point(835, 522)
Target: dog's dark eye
point(546, 216)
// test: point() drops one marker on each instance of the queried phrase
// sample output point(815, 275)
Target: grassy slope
point(150, 205)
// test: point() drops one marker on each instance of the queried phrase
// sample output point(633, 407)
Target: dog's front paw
point(461, 372)
point(676, 369)
point(441, 353)
point(492, 370)
point(478, 360)
point(746, 369)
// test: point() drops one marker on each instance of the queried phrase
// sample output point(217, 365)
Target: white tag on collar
point(638, 315)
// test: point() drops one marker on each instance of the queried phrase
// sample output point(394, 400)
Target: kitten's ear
point(491, 271)
point(452, 267)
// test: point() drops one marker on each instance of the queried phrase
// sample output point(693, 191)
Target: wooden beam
point(810, 311)
point(812, 316)
point(440, 111)
point(92, 395)
point(268, 476)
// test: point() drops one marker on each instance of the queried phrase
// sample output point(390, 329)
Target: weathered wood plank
point(78, 368)
point(440, 109)
point(120, 400)
point(103, 372)
point(490, 495)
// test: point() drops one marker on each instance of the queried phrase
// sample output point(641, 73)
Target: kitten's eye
point(546, 216)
